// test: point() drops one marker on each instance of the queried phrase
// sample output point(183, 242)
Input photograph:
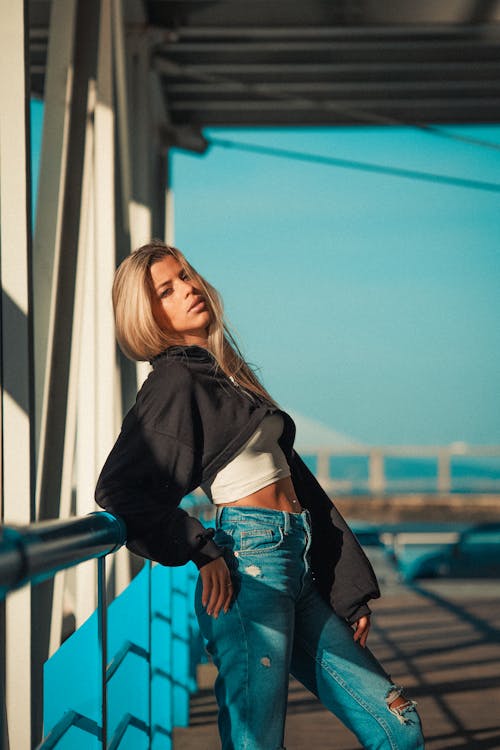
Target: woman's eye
point(166, 292)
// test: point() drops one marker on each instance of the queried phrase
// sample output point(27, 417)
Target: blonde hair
point(140, 336)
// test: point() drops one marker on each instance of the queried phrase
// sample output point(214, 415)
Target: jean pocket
point(259, 540)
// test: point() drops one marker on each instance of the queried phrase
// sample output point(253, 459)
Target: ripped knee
point(398, 704)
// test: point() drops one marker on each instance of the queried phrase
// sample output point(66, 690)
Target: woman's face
point(178, 304)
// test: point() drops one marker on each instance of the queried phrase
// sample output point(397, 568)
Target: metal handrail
point(36, 552)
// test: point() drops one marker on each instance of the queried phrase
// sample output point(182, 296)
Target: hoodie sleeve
point(153, 464)
point(342, 571)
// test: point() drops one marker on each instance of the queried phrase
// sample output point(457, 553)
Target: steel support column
point(104, 242)
point(59, 387)
point(141, 224)
point(169, 231)
point(85, 594)
point(16, 365)
point(47, 257)
point(53, 165)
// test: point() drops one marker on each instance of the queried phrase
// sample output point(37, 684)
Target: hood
point(181, 352)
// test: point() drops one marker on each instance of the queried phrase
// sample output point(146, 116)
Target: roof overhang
point(316, 62)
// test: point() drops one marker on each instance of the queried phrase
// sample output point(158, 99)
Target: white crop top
point(258, 463)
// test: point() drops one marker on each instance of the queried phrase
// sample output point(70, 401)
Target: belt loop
point(218, 517)
point(286, 522)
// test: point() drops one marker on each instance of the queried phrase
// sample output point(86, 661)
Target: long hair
point(140, 336)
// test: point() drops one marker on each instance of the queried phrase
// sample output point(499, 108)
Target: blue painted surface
point(71, 682)
point(153, 648)
point(180, 646)
point(161, 661)
point(77, 739)
point(128, 688)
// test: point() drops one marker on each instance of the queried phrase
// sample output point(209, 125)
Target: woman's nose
point(188, 286)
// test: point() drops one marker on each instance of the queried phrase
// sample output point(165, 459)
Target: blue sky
point(369, 302)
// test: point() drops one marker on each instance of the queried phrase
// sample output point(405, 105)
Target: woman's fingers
point(225, 589)
point(219, 601)
point(207, 585)
point(217, 587)
point(363, 638)
point(229, 595)
point(362, 630)
point(214, 595)
point(207, 582)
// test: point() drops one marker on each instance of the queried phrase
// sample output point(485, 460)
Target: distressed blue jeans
point(278, 624)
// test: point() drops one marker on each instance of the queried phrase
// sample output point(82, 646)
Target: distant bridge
point(415, 468)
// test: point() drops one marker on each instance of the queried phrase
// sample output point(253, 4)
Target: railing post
point(323, 467)
point(444, 470)
point(376, 478)
point(102, 636)
point(150, 651)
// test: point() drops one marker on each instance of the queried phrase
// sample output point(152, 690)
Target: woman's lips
point(198, 306)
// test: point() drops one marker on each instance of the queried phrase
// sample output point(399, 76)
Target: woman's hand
point(217, 586)
point(362, 628)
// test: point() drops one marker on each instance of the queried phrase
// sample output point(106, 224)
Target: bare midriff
point(279, 495)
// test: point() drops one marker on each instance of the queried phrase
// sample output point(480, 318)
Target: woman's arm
point(143, 481)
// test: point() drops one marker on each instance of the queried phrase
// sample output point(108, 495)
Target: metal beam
point(314, 118)
point(107, 400)
point(437, 49)
point(52, 454)
point(16, 362)
point(140, 122)
point(104, 242)
point(159, 144)
point(385, 89)
point(143, 114)
point(341, 12)
point(47, 239)
point(298, 104)
point(122, 116)
point(328, 32)
point(169, 205)
point(356, 70)
point(85, 595)
point(339, 111)
point(123, 178)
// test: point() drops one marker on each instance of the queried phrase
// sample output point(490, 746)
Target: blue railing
point(122, 681)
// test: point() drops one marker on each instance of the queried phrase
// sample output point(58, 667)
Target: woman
point(283, 584)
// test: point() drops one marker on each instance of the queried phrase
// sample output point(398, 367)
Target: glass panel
point(161, 666)
point(72, 683)
point(128, 643)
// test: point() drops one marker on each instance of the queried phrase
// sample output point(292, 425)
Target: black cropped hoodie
point(188, 422)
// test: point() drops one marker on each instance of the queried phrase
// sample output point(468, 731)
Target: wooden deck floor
point(440, 639)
